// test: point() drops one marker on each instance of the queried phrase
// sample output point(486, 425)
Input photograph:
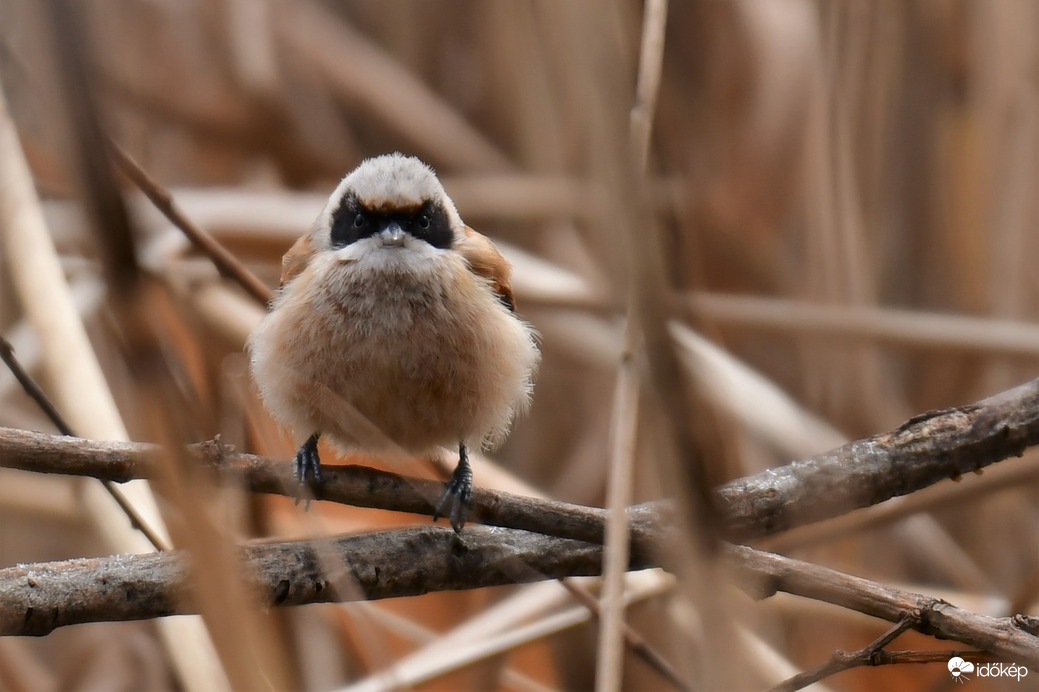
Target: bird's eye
point(359, 220)
point(423, 222)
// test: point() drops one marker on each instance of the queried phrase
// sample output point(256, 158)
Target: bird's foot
point(458, 495)
point(306, 466)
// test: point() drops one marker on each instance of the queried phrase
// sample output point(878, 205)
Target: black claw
point(307, 464)
point(458, 495)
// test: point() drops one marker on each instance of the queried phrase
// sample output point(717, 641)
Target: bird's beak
point(392, 235)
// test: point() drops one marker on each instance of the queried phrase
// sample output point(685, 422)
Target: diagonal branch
point(226, 263)
point(762, 574)
point(845, 660)
point(921, 452)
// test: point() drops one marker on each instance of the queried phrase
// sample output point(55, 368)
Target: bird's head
point(392, 201)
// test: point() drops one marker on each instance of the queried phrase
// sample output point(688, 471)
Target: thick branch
point(38, 598)
point(35, 599)
point(924, 450)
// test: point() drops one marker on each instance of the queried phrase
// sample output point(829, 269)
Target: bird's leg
point(458, 496)
point(307, 463)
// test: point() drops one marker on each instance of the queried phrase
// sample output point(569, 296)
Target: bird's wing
point(485, 260)
point(296, 259)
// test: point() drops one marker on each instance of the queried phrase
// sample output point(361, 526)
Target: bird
point(394, 330)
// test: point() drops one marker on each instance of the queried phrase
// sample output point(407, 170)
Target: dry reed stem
point(425, 638)
point(768, 665)
point(466, 645)
point(905, 328)
point(80, 388)
point(333, 49)
point(638, 644)
point(624, 421)
point(627, 230)
point(623, 434)
point(246, 650)
point(87, 295)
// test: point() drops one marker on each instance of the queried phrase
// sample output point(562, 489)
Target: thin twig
point(226, 263)
point(845, 660)
point(51, 411)
point(240, 637)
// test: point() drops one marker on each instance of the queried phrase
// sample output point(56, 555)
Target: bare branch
point(360, 486)
point(38, 598)
point(888, 658)
point(763, 574)
point(871, 656)
point(844, 660)
point(922, 451)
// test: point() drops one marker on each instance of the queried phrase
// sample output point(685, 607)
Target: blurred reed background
point(846, 197)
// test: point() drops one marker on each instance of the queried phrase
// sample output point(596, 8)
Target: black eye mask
point(352, 222)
